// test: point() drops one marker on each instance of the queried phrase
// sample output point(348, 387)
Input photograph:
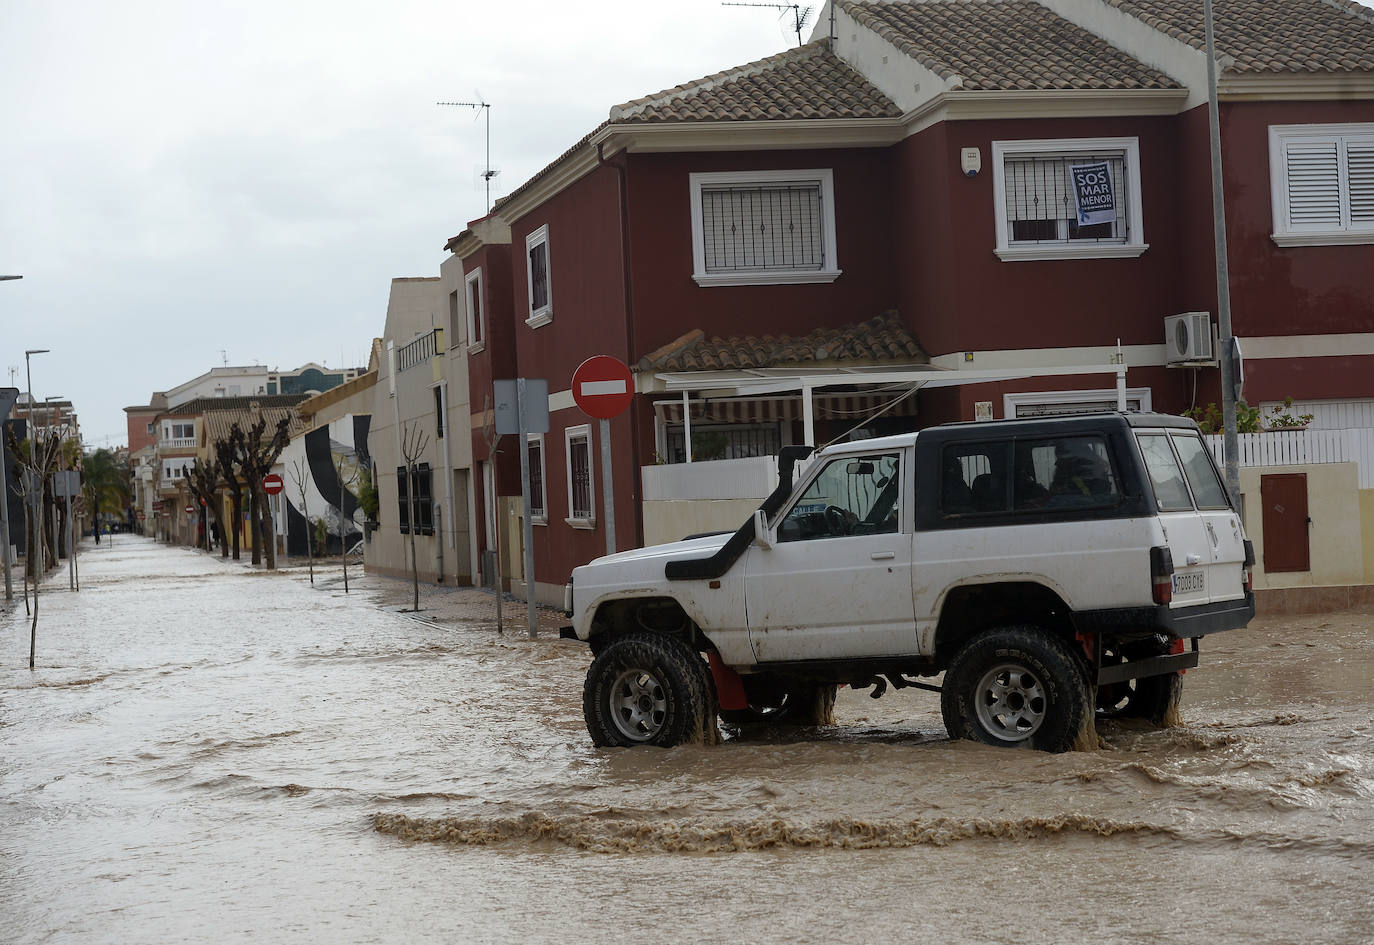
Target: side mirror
point(761, 536)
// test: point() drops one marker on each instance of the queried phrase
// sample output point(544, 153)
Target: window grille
point(539, 276)
point(536, 448)
point(1040, 205)
point(763, 228)
point(580, 472)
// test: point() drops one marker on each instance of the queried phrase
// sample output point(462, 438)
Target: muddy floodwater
point(211, 754)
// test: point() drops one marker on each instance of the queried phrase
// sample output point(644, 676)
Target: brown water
point(207, 754)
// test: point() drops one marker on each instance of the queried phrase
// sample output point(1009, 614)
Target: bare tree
point(300, 476)
point(39, 460)
point(413, 443)
point(226, 451)
point(203, 481)
point(255, 459)
point(343, 522)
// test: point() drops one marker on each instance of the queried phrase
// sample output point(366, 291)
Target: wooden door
point(1284, 498)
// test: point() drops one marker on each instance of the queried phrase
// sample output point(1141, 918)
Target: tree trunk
point(255, 523)
point(236, 502)
point(269, 531)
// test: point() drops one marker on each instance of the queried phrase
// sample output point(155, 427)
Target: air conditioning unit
point(1188, 337)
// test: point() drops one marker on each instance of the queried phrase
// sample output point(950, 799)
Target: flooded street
point(211, 754)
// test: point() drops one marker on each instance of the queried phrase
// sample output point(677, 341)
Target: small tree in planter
point(1280, 417)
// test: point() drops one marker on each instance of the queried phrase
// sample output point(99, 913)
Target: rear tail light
point(1245, 575)
point(1162, 573)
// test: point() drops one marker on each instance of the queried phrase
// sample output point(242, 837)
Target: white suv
point(1049, 568)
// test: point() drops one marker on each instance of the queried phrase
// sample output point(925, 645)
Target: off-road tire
point(1155, 699)
point(790, 703)
point(648, 689)
point(1016, 687)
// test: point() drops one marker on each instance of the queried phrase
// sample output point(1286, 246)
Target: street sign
point(142, 515)
point(271, 484)
point(602, 387)
point(506, 410)
point(190, 509)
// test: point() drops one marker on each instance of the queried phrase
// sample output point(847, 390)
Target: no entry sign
point(602, 387)
point(271, 484)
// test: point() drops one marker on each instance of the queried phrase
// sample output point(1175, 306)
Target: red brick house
point(795, 247)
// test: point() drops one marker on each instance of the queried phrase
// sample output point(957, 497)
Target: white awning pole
point(808, 416)
point(687, 425)
point(1120, 378)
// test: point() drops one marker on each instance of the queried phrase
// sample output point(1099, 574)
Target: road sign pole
point(528, 530)
point(607, 489)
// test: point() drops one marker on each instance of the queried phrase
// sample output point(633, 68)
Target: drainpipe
point(686, 425)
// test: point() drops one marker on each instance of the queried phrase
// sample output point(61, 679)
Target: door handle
point(1193, 559)
point(883, 555)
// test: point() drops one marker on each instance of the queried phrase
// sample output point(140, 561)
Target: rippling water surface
point(211, 754)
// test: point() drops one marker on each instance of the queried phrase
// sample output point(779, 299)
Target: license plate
point(1189, 582)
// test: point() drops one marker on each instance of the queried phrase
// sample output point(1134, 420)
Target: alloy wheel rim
point(1010, 702)
point(639, 704)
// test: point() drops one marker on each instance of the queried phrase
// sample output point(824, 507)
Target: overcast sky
point(182, 179)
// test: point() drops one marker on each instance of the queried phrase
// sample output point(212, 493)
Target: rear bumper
point(1182, 622)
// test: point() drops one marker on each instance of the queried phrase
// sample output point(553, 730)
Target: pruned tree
point(414, 440)
point(39, 459)
point(300, 476)
point(203, 480)
point(256, 457)
point(226, 453)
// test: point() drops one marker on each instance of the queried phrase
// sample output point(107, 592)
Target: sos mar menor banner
point(1093, 195)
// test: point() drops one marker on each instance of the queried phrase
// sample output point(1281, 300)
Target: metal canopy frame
point(748, 382)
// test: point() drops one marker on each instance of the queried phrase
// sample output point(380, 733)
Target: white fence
point(1301, 447)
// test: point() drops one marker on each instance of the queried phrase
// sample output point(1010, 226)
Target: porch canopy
point(885, 389)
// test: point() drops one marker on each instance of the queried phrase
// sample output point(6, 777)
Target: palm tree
point(105, 483)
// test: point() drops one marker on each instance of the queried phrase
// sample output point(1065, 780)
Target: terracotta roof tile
point(1006, 45)
point(218, 421)
point(202, 404)
point(809, 82)
point(1270, 35)
point(877, 340)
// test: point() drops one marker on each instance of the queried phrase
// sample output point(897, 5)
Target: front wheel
point(1017, 687)
point(647, 689)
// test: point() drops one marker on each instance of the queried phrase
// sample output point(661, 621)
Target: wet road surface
point(206, 753)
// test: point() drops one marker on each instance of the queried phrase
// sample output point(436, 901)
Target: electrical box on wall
point(970, 161)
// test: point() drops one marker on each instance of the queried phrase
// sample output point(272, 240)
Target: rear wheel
point(647, 689)
point(1152, 698)
point(1017, 687)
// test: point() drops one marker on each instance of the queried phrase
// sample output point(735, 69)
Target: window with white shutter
point(1322, 184)
point(763, 227)
point(1038, 204)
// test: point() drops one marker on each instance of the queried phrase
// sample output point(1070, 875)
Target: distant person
point(96, 530)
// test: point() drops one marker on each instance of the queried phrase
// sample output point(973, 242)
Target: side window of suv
point(973, 478)
point(1171, 494)
point(853, 495)
point(1070, 472)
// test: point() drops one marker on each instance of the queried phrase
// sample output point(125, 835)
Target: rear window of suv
point(1171, 494)
point(1202, 475)
point(1040, 475)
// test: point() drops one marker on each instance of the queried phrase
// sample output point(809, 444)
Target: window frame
point(582, 431)
point(539, 515)
point(477, 335)
point(1134, 244)
point(1313, 235)
point(544, 314)
point(706, 180)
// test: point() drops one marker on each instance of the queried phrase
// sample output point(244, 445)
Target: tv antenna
point(483, 111)
point(801, 16)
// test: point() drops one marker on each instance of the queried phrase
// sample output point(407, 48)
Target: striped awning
point(852, 407)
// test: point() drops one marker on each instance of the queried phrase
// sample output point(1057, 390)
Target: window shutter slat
point(1360, 173)
point(1314, 184)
